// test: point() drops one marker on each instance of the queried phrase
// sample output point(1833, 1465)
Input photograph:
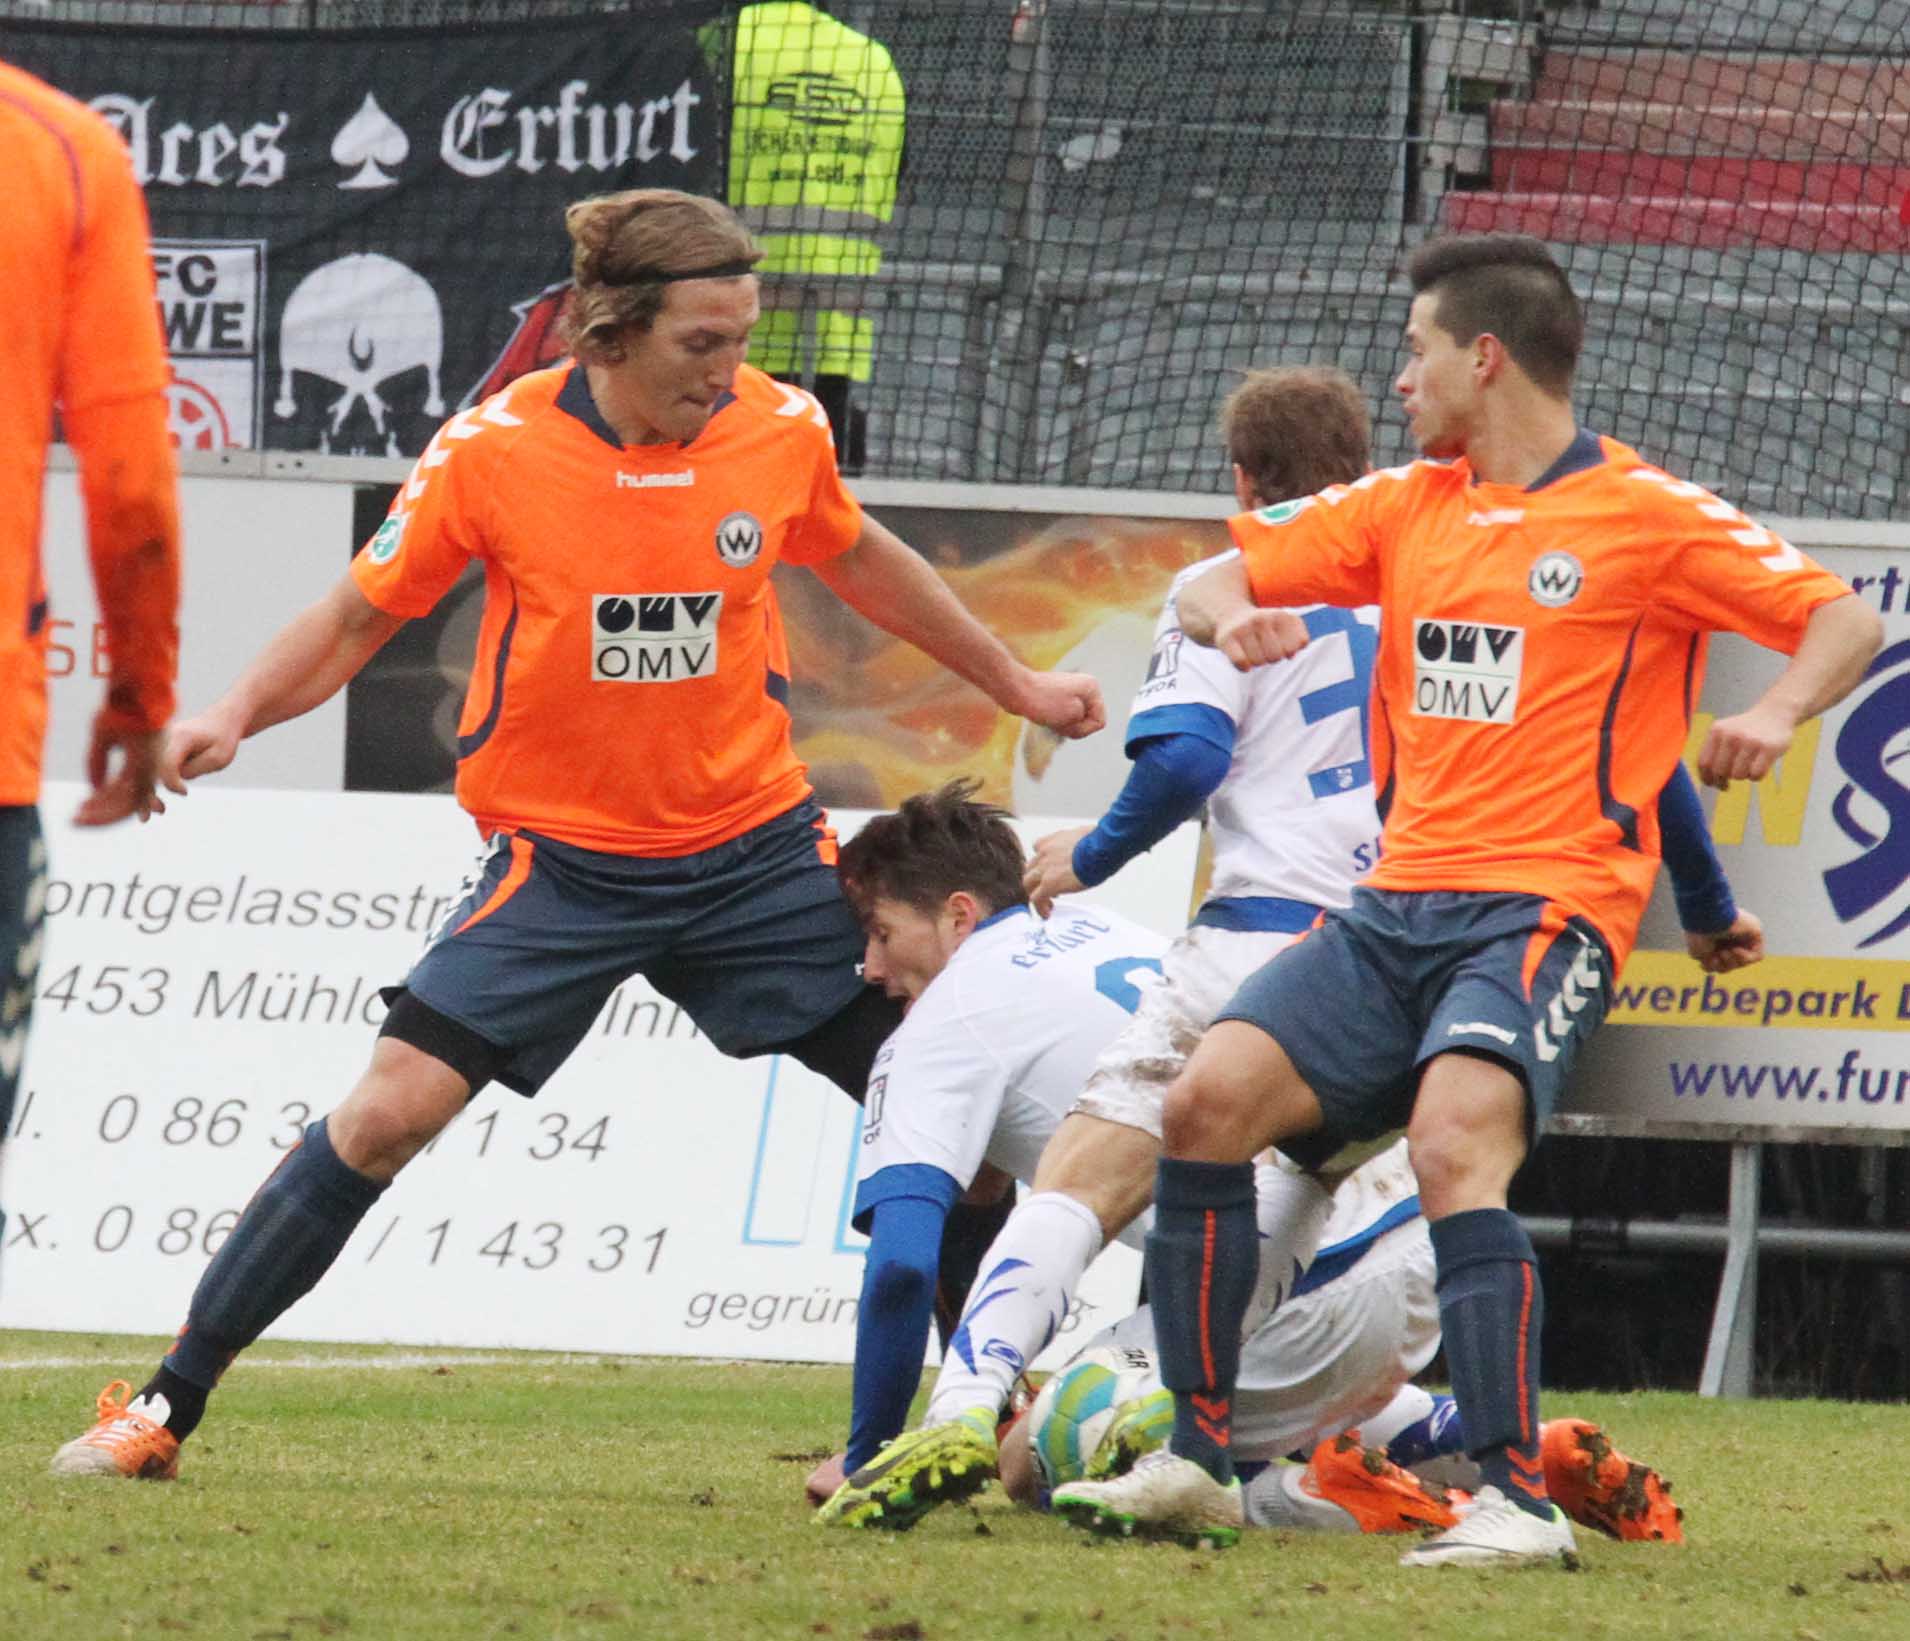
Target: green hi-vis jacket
point(816, 139)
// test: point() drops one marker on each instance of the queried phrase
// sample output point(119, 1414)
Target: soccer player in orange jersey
point(624, 747)
point(79, 331)
point(1546, 598)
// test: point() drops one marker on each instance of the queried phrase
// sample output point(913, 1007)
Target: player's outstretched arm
point(1171, 776)
point(313, 657)
point(1217, 609)
point(884, 578)
point(892, 1318)
point(1840, 639)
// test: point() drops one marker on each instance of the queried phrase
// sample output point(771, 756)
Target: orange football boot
point(127, 1441)
point(1598, 1486)
point(1381, 1496)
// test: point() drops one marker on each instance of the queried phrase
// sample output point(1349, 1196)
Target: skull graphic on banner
point(370, 328)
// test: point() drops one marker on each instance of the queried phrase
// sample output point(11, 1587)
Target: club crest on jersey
point(653, 638)
point(1281, 511)
point(1466, 670)
point(739, 539)
point(1555, 579)
point(389, 537)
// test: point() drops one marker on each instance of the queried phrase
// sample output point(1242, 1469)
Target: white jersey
point(1294, 817)
point(992, 1054)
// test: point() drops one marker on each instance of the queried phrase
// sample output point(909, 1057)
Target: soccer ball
point(1078, 1404)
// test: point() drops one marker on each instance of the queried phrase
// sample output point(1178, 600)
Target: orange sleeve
point(1317, 550)
point(833, 522)
point(436, 523)
point(1727, 573)
point(112, 348)
point(112, 392)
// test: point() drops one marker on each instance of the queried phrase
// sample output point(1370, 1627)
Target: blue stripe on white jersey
point(1294, 818)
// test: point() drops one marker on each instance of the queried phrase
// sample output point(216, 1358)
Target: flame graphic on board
point(877, 720)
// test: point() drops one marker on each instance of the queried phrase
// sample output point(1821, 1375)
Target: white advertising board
point(254, 553)
point(209, 986)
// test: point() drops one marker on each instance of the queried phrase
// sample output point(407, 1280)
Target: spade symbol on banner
point(370, 139)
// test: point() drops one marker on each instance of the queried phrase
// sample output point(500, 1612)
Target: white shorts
point(1331, 1358)
point(1200, 973)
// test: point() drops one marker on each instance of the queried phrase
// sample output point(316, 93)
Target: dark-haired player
point(1546, 598)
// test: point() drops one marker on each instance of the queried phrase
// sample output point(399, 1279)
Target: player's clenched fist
point(1256, 637)
point(1744, 747)
point(195, 747)
point(1069, 703)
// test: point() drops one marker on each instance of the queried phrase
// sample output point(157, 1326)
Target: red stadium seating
point(1696, 149)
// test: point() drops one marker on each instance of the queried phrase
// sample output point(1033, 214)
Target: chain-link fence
point(1106, 206)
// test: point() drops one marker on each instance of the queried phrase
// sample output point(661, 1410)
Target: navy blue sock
point(1202, 1257)
point(1441, 1432)
point(286, 1239)
point(1490, 1308)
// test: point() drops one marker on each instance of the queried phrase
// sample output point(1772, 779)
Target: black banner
point(350, 230)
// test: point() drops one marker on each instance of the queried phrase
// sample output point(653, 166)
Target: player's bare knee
point(1210, 1116)
point(1467, 1134)
point(402, 1103)
point(1458, 1170)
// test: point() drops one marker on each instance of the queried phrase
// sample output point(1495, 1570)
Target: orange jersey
point(630, 687)
point(1541, 652)
point(79, 329)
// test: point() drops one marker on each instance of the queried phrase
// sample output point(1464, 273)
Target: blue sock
point(1202, 1257)
point(286, 1239)
point(1491, 1308)
point(1439, 1433)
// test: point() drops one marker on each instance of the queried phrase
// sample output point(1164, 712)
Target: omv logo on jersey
point(1872, 808)
point(653, 638)
point(1465, 670)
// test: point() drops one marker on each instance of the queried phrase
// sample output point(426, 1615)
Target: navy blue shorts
point(1363, 1001)
point(751, 938)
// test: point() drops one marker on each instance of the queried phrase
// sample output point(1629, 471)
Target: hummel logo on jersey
point(739, 538)
point(1463, 669)
point(656, 481)
point(1555, 579)
point(653, 638)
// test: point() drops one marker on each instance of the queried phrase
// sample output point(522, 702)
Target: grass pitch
point(352, 1491)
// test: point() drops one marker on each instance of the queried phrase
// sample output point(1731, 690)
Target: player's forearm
point(129, 487)
point(885, 579)
point(1698, 883)
point(1171, 777)
point(892, 1321)
point(313, 657)
point(1840, 641)
point(1209, 599)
